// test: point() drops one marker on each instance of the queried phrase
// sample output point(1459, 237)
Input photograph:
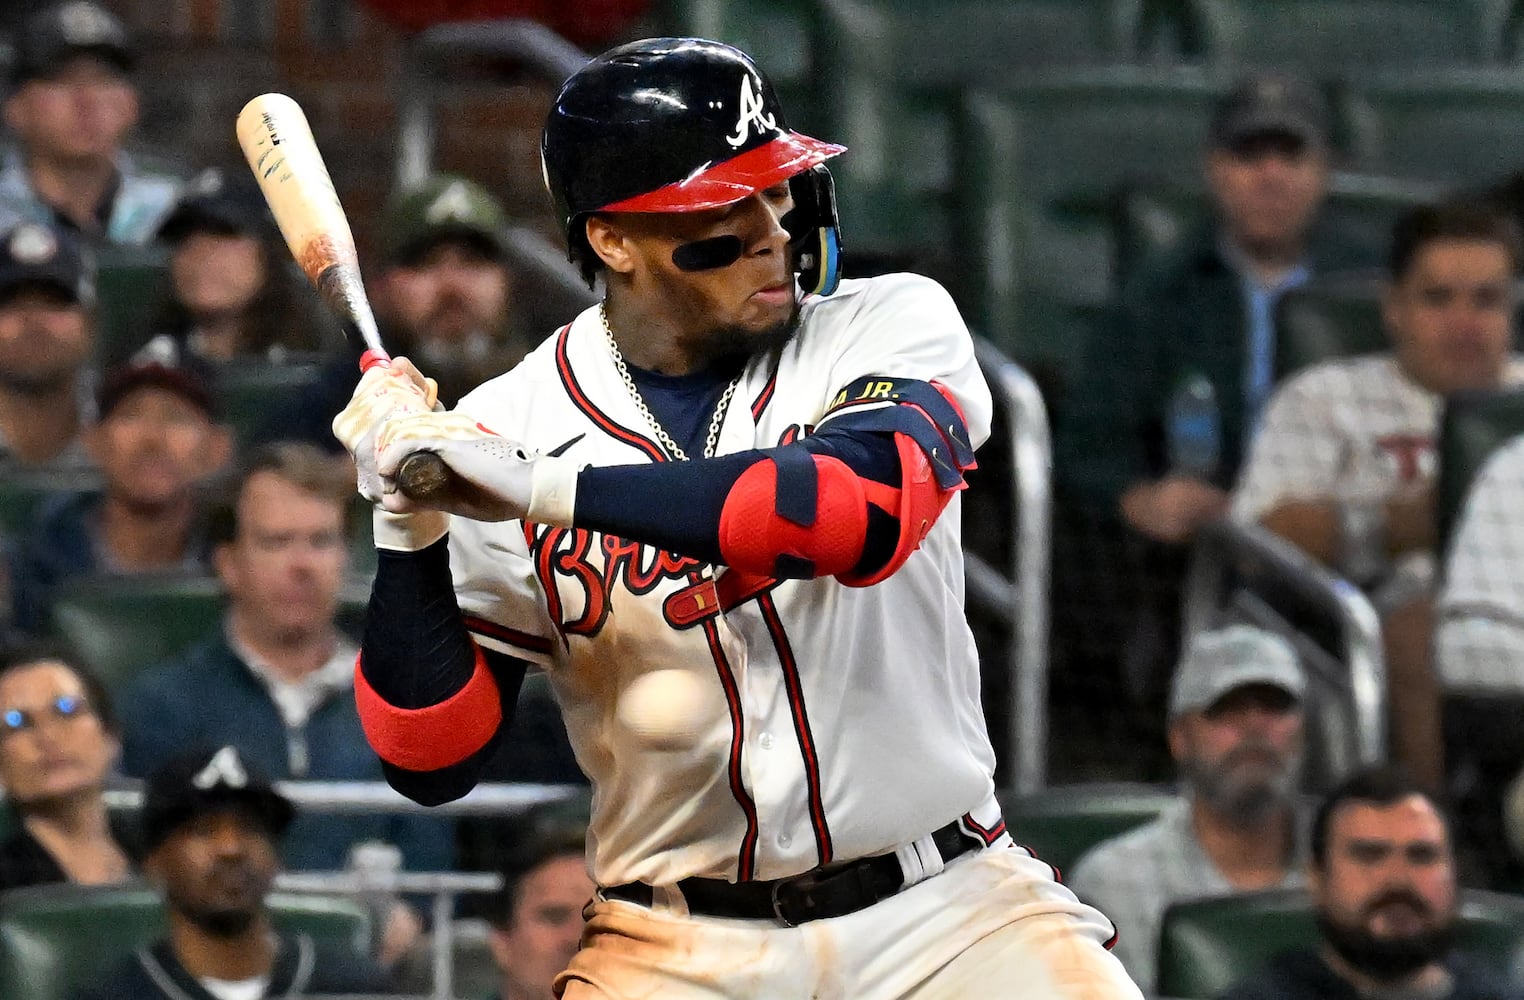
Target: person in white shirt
point(1343, 465)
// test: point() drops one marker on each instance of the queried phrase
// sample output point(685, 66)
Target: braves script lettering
point(753, 114)
point(567, 554)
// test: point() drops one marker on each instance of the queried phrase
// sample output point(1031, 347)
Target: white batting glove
point(495, 478)
point(385, 392)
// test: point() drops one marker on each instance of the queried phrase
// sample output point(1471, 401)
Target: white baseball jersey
point(839, 722)
point(1350, 430)
point(1479, 641)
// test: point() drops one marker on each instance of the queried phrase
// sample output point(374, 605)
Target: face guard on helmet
point(684, 125)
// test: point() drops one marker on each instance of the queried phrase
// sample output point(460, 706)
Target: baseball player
point(720, 511)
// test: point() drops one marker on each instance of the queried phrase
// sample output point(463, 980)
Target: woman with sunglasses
point(58, 743)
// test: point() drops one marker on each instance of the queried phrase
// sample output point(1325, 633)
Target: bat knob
point(423, 477)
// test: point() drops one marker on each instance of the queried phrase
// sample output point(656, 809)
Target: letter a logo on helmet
point(659, 126)
point(753, 112)
point(667, 125)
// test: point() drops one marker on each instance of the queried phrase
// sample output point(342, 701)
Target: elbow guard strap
point(798, 514)
point(916, 505)
point(435, 736)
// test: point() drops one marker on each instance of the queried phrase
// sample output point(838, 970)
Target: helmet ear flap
point(815, 231)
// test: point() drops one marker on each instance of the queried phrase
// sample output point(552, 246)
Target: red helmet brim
point(738, 177)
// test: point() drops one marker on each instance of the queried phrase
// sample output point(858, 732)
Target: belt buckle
point(802, 882)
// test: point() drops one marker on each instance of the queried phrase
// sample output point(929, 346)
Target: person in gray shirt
point(1235, 732)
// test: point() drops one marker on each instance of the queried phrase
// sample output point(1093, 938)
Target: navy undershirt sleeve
point(416, 652)
point(676, 506)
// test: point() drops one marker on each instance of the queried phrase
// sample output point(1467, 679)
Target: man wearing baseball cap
point(211, 827)
point(1235, 732)
point(46, 339)
point(1165, 409)
point(446, 294)
point(155, 440)
point(71, 105)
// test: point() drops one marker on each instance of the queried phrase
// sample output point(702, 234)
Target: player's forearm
point(680, 506)
point(431, 707)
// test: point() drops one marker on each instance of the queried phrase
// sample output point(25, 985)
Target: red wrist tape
point(435, 736)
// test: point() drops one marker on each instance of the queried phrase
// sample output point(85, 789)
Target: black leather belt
point(819, 894)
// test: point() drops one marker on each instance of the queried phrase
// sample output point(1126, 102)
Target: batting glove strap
point(498, 479)
point(552, 491)
point(408, 532)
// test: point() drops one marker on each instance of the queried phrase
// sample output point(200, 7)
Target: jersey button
point(784, 840)
point(766, 741)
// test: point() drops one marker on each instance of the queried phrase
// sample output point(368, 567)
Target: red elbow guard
point(436, 736)
point(814, 526)
point(916, 505)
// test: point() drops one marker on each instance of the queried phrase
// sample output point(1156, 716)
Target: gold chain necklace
point(665, 439)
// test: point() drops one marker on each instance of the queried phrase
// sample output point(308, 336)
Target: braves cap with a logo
point(51, 37)
point(444, 208)
point(204, 782)
point(33, 254)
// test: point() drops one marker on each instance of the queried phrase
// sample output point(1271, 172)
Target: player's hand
point(495, 479)
point(385, 393)
point(1173, 509)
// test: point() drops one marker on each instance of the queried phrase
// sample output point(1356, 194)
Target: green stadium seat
point(888, 77)
point(1086, 131)
point(360, 532)
point(942, 41)
point(248, 391)
point(781, 35)
point(1333, 35)
point(55, 940)
point(1458, 126)
point(129, 283)
point(1061, 823)
point(1206, 946)
point(1036, 160)
point(1471, 427)
point(22, 491)
point(122, 624)
point(1336, 317)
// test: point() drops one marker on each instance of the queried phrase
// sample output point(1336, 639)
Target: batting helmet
point(682, 125)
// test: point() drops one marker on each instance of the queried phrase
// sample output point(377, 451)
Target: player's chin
point(772, 307)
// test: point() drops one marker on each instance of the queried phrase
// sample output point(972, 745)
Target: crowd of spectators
point(155, 476)
point(144, 470)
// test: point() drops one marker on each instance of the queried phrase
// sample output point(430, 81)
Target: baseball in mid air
point(665, 709)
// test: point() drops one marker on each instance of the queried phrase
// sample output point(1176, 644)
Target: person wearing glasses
point(57, 746)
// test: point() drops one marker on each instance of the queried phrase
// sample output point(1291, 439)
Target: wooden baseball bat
point(278, 143)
